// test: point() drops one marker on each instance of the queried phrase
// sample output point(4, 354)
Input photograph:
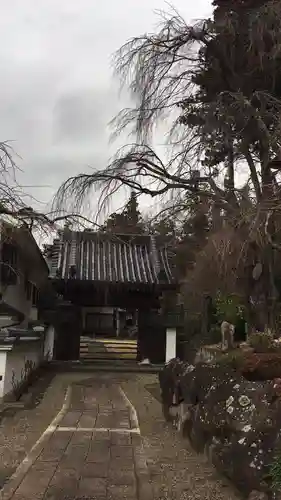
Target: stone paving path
point(94, 451)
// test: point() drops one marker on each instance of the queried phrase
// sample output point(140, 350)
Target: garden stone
point(169, 379)
point(234, 421)
point(237, 427)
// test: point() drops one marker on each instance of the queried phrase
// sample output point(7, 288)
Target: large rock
point(231, 404)
point(245, 458)
point(196, 381)
point(236, 422)
point(169, 379)
point(238, 425)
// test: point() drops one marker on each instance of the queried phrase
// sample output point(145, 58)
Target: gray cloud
point(57, 94)
point(83, 115)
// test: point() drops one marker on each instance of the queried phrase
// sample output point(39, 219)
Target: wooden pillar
point(117, 322)
point(68, 329)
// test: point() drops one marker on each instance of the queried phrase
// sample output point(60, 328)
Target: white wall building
point(23, 271)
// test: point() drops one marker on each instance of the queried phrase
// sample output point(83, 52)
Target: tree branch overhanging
point(204, 79)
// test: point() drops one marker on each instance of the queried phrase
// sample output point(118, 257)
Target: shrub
point(234, 358)
point(275, 473)
point(215, 334)
point(253, 366)
point(261, 342)
point(261, 366)
point(229, 308)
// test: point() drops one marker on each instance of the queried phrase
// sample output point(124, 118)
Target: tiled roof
point(109, 258)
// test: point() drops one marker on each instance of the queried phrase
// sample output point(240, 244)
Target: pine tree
point(129, 221)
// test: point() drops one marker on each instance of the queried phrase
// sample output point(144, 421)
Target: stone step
point(101, 366)
point(109, 341)
point(95, 348)
point(107, 356)
point(107, 349)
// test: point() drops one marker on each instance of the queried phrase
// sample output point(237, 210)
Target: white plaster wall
point(15, 296)
point(16, 359)
point(33, 314)
point(6, 321)
point(49, 342)
point(171, 342)
point(3, 357)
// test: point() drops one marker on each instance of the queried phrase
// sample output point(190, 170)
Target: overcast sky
point(57, 90)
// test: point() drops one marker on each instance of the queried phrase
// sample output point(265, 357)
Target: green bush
point(261, 342)
point(234, 358)
point(215, 334)
point(229, 308)
point(262, 366)
point(275, 473)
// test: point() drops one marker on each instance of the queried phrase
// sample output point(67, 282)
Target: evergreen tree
point(129, 221)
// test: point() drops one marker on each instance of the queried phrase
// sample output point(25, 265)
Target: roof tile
point(109, 258)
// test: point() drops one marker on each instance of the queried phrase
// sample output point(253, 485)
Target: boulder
point(234, 421)
point(169, 379)
point(195, 382)
point(245, 458)
point(251, 436)
point(230, 405)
